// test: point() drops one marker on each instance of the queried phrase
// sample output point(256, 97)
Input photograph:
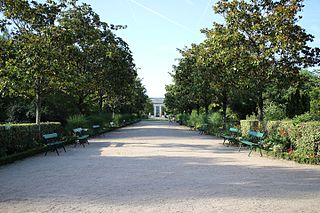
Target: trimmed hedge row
point(16, 138)
point(18, 141)
point(285, 139)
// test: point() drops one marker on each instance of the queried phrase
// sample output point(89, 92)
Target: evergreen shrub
point(15, 138)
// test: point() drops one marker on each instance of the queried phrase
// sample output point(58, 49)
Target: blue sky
point(156, 28)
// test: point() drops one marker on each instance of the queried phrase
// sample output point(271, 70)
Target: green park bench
point(234, 133)
point(96, 128)
point(256, 141)
point(82, 138)
point(53, 142)
point(203, 129)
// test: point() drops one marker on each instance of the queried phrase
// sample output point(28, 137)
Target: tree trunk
point(113, 112)
point(38, 114)
point(224, 108)
point(260, 106)
point(100, 102)
point(38, 109)
point(207, 109)
point(80, 103)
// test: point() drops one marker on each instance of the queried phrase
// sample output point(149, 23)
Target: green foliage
point(306, 138)
point(62, 56)
point(215, 121)
point(15, 138)
point(77, 121)
point(196, 120)
point(124, 119)
point(102, 119)
point(315, 101)
point(258, 50)
point(278, 140)
point(287, 139)
point(304, 118)
point(182, 119)
point(274, 112)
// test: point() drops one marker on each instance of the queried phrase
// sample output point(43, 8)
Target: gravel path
point(157, 167)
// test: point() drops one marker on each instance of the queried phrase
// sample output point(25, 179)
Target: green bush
point(124, 119)
point(274, 112)
point(305, 118)
point(300, 142)
point(16, 138)
point(77, 121)
point(215, 122)
point(196, 120)
point(306, 138)
point(102, 119)
point(182, 119)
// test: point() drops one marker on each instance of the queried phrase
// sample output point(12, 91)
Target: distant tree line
point(252, 63)
point(58, 58)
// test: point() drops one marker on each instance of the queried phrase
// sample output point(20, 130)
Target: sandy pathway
point(157, 167)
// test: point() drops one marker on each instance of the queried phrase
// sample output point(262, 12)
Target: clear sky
point(156, 28)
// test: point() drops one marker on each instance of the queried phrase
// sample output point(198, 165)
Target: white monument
point(158, 107)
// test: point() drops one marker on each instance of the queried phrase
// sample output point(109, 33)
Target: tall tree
point(35, 42)
point(277, 44)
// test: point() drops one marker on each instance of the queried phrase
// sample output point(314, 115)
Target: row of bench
point(255, 139)
point(53, 141)
point(234, 137)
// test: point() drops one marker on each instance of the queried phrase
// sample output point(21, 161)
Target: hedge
point(17, 138)
point(299, 142)
point(18, 141)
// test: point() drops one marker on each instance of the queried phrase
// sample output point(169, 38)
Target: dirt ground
point(158, 167)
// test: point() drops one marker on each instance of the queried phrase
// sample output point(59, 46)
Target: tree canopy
point(64, 47)
point(259, 46)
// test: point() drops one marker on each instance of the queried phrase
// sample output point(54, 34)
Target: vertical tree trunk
point(38, 109)
point(80, 103)
point(224, 108)
point(38, 113)
point(100, 102)
point(207, 109)
point(260, 106)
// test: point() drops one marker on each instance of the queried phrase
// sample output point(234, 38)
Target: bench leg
point(224, 140)
point(64, 148)
point(260, 151)
point(251, 148)
point(57, 151)
point(240, 144)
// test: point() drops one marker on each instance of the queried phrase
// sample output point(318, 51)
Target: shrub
point(274, 112)
point(306, 138)
point(182, 119)
point(196, 120)
point(103, 119)
point(215, 122)
point(15, 138)
point(76, 121)
point(300, 142)
point(123, 119)
point(305, 118)
point(232, 118)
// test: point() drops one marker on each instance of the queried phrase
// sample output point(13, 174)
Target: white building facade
point(158, 107)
